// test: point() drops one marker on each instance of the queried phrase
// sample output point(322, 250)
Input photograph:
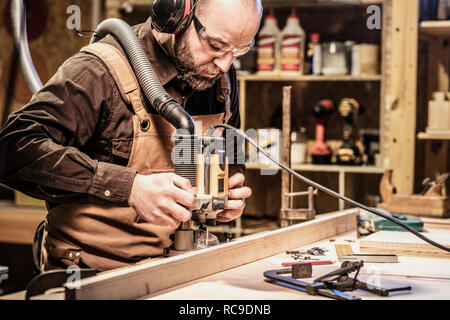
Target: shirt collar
point(159, 52)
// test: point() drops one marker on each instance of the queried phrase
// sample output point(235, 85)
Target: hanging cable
point(331, 192)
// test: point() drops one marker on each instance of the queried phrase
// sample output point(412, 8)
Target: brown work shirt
point(72, 141)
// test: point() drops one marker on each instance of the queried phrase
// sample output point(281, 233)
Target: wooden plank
point(321, 168)
point(435, 28)
point(286, 153)
point(399, 90)
point(417, 205)
point(246, 282)
point(436, 223)
point(18, 225)
point(433, 136)
point(405, 243)
point(306, 78)
point(159, 274)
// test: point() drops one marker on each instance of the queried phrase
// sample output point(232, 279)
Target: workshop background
point(390, 67)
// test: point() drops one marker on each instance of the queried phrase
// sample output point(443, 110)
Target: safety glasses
point(218, 45)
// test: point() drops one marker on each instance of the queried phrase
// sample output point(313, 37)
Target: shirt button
point(107, 193)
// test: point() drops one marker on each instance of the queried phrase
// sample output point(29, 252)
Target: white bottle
point(299, 146)
point(292, 46)
point(268, 45)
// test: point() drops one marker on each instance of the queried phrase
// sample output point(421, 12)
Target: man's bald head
point(204, 5)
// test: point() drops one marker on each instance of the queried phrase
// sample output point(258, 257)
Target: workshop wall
point(51, 43)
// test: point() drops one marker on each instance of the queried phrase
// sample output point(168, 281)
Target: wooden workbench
point(18, 224)
point(429, 279)
point(234, 271)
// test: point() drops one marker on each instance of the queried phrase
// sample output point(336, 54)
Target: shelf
point(322, 168)
point(433, 136)
point(435, 28)
point(280, 77)
point(318, 3)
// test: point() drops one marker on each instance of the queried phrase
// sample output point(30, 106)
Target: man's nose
point(224, 61)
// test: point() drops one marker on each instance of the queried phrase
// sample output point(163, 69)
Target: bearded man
point(112, 196)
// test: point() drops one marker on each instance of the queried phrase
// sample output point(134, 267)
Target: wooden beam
point(286, 154)
point(159, 274)
point(399, 92)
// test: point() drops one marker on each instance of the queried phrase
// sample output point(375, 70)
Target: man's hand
point(237, 194)
point(161, 198)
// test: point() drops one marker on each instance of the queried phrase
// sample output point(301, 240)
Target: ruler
point(366, 257)
point(343, 249)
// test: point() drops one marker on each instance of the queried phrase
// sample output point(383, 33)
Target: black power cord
point(331, 192)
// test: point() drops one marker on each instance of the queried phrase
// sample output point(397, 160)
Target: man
point(111, 201)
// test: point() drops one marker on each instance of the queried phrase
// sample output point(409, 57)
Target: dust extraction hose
point(329, 191)
point(19, 29)
point(158, 97)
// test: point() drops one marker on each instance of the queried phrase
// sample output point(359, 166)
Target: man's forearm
point(45, 170)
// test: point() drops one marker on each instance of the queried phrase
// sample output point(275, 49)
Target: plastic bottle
point(268, 45)
point(292, 46)
point(314, 55)
point(299, 146)
point(428, 9)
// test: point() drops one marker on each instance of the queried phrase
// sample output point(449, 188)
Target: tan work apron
point(107, 237)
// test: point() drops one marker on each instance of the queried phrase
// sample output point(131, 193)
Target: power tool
point(348, 153)
point(202, 160)
point(321, 151)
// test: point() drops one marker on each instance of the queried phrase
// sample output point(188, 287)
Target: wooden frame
point(159, 274)
point(436, 35)
point(398, 92)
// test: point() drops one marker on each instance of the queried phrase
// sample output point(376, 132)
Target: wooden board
point(247, 282)
point(417, 205)
point(436, 28)
point(399, 88)
point(436, 223)
point(18, 225)
point(159, 274)
point(405, 243)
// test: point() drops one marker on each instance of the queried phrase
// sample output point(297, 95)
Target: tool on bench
point(371, 258)
point(332, 285)
point(314, 263)
point(345, 253)
point(315, 251)
point(343, 249)
point(299, 271)
point(369, 223)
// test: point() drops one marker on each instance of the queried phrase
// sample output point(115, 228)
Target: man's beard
point(188, 71)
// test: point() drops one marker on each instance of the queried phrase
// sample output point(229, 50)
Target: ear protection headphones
point(172, 16)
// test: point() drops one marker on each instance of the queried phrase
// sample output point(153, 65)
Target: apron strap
point(124, 77)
